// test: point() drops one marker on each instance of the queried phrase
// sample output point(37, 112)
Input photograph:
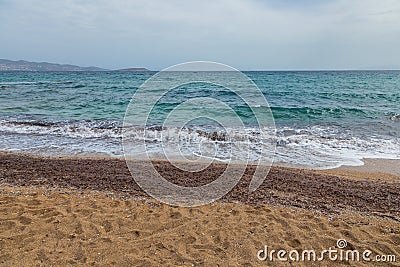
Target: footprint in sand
point(294, 243)
point(24, 220)
point(175, 215)
point(7, 225)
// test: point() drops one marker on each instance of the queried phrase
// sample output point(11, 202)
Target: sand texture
point(89, 212)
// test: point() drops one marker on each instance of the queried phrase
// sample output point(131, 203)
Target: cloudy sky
point(246, 34)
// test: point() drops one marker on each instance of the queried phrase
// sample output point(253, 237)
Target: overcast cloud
point(246, 34)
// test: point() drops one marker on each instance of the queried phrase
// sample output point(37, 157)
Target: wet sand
point(388, 166)
point(67, 211)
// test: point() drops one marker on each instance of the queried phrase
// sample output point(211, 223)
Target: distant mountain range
point(22, 65)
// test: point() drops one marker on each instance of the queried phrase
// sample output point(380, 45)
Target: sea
point(323, 119)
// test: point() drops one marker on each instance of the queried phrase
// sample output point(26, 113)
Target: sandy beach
point(76, 211)
point(200, 133)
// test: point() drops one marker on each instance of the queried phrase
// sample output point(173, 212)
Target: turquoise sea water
point(323, 119)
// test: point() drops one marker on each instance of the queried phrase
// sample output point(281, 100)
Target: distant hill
point(22, 65)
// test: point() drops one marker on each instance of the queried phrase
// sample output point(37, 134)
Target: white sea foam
point(317, 147)
point(80, 129)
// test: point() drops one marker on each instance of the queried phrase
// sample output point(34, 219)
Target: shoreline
point(386, 166)
point(327, 191)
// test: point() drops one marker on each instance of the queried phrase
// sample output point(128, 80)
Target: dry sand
point(57, 212)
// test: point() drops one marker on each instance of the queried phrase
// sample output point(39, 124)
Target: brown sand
point(91, 212)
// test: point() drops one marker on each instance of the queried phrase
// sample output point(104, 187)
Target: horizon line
point(248, 70)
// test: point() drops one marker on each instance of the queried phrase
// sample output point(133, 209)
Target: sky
point(245, 34)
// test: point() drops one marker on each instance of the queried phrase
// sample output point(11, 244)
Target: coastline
point(328, 191)
point(382, 166)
